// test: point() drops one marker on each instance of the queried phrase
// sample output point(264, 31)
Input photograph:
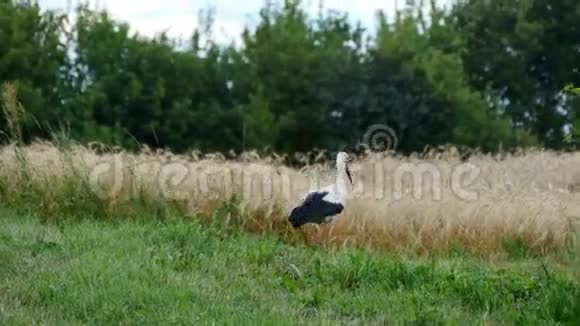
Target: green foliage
point(483, 74)
point(92, 272)
point(259, 123)
point(573, 135)
point(570, 89)
point(523, 52)
point(31, 57)
point(435, 54)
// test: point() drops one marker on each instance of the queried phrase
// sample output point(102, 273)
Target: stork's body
point(323, 205)
point(315, 209)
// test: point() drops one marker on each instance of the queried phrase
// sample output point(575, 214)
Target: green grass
point(145, 273)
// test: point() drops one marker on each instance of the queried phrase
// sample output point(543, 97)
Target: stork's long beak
point(348, 174)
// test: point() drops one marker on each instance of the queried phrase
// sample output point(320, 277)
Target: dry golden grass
point(475, 205)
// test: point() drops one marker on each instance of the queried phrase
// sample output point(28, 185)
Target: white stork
point(323, 205)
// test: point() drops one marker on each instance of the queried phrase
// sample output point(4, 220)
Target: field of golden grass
point(422, 204)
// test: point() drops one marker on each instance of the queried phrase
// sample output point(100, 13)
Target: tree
point(480, 75)
point(523, 52)
point(31, 57)
point(432, 52)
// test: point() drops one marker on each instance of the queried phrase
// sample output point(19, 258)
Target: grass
point(530, 199)
point(144, 272)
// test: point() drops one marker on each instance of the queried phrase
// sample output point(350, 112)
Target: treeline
point(483, 74)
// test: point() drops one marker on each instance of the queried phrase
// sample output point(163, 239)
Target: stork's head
point(342, 163)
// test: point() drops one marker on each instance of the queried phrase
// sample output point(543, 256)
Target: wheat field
point(423, 204)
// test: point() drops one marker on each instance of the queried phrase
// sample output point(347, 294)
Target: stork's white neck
point(341, 180)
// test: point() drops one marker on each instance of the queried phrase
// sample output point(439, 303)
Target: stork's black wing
point(314, 210)
point(314, 197)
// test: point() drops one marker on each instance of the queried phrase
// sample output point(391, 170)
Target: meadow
point(91, 234)
point(143, 272)
point(94, 235)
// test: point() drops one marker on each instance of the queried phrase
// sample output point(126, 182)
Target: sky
point(180, 17)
